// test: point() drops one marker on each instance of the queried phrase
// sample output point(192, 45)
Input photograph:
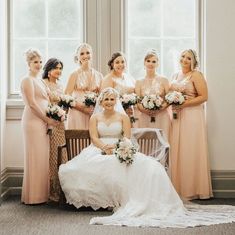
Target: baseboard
point(11, 181)
point(223, 182)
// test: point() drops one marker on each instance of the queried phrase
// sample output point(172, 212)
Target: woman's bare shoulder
point(26, 80)
point(197, 75)
point(108, 77)
point(96, 116)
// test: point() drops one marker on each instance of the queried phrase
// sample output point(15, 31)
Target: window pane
point(171, 55)
point(165, 25)
point(144, 18)
point(64, 50)
point(179, 18)
point(64, 18)
point(29, 18)
point(37, 23)
point(137, 50)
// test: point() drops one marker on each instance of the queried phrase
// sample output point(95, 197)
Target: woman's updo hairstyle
point(50, 64)
point(32, 53)
point(78, 51)
point(150, 53)
point(195, 60)
point(113, 57)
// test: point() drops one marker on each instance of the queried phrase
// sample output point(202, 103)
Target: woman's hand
point(150, 113)
point(84, 109)
point(179, 107)
point(88, 110)
point(52, 122)
point(109, 151)
point(130, 111)
point(108, 148)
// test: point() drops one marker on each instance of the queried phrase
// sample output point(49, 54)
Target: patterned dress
point(56, 138)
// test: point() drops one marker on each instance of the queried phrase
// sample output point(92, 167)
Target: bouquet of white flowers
point(176, 98)
point(125, 150)
point(66, 102)
point(127, 101)
point(90, 99)
point(55, 112)
point(152, 102)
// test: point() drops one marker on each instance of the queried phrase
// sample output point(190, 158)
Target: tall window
point(52, 26)
point(169, 26)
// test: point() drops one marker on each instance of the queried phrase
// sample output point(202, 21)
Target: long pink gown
point(77, 119)
point(36, 144)
point(189, 163)
point(162, 119)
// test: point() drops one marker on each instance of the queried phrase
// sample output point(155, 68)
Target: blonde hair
point(78, 51)
point(194, 57)
point(107, 91)
point(150, 53)
point(31, 53)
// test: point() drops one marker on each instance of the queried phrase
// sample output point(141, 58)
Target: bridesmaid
point(83, 80)
point(153, 84)
point(189, 163)
point(36, 141)
point(117, 78)
point(51, 73)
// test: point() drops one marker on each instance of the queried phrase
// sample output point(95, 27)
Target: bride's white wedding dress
point(141, 193)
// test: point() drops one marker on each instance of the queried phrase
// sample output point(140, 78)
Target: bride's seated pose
point(140, 193)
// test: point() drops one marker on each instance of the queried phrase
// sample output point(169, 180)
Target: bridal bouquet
point(90, 99)
point(176, 98)
point(125, 150)
point(55, 112)
point(66, 102)
point(152, 102)
point(127, 101)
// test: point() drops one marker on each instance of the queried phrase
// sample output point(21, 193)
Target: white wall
point(13, 144)
point(220, 73)
point(3, 87)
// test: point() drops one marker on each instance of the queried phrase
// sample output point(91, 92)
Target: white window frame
point(199, 33)
point(13, 94)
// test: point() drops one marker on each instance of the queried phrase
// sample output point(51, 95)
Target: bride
point(140, 193)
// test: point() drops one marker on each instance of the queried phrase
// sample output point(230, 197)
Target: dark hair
point(114, 56)
point(50, 64)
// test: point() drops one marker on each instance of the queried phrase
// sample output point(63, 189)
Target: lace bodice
point(152, 87)
point(111, 132)
point(88, 84)
point(122, 84)
point(56, 90)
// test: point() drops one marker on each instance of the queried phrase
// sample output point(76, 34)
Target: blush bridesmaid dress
point(36, 143)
